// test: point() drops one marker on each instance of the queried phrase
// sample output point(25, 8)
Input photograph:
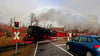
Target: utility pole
point(20, 23)
point(14, 19)
point(51, 26)
point(10, 22)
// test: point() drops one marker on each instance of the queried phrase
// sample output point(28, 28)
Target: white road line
point(63, 49)
point(61, 45)
point(44, 41)
point(36, 49)
point(47, 41)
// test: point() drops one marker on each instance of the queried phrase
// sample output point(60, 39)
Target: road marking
point(34, 52)
point(36, 49)
point(44, 41)
point(61, 45)
point(62, 49)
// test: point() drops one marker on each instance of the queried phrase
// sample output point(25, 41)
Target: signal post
point(16, 39)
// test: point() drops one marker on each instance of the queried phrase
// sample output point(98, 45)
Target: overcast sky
point(22, 8)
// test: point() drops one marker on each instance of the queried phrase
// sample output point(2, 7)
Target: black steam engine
point(36, 33)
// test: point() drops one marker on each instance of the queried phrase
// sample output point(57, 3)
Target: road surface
point(54, 48)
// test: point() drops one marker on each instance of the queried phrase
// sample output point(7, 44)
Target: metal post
point(16, 46)
point(16, 52)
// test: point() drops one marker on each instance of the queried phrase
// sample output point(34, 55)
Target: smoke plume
point(69, 20)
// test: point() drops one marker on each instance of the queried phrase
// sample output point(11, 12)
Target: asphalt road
point(55, 48)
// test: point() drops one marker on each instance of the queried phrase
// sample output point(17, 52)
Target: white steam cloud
point(70, 20)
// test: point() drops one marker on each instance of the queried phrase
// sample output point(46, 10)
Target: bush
point(8, 34)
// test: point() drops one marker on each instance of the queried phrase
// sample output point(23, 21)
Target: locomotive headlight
point(29, 35)
point(51, 31)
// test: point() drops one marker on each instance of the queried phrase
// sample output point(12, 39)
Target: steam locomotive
point(37, 33)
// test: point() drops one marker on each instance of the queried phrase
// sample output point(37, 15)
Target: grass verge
point(25, 51)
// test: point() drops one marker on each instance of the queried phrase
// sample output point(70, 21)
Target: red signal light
point(16, 23)
point(96, 46)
